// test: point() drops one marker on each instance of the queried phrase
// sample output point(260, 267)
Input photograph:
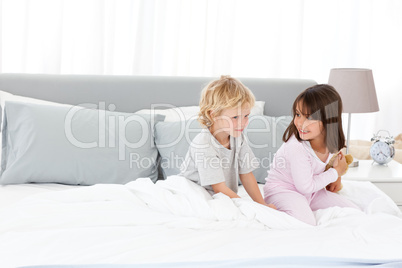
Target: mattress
point(175, 222)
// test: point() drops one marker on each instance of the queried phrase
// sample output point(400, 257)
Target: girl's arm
point(222, 188)
point(340, 166)
point(335, 186)
point(299, 160)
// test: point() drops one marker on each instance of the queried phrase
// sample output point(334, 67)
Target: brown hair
point(226, 92)
point(320, 102)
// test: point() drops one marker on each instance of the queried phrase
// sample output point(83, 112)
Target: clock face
point(381, 152)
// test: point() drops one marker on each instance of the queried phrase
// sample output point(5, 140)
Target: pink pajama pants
point(302, 207)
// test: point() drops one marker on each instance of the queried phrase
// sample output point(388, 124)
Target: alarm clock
point(382, 150)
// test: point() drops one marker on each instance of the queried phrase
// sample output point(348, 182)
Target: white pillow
point(191, 112)
point(174, 114)
point(258, 108)
point(6, 96)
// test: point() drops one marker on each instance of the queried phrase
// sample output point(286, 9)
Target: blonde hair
point(224, 93)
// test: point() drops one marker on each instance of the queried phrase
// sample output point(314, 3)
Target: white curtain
point(253, 38)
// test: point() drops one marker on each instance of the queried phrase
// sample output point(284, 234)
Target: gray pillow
point(74, 145)
point(172, 140)
point(264, 135)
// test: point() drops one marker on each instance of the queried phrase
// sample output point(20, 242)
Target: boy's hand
point(222, 188)
point(271, 206)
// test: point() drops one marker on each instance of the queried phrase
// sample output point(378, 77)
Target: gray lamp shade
point(356, 87)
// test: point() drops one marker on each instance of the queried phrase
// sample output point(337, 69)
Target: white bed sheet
point(176, 220)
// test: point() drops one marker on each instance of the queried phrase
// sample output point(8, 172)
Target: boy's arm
point(250, 184)
point(222, 188)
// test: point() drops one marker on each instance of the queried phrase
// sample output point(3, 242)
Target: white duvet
point(177, 220)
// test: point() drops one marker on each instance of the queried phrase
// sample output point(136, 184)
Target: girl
point(220, 154)
point(296, 182)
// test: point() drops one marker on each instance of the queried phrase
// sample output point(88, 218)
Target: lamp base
point(355, 163)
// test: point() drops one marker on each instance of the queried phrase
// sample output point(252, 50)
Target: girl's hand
point(271, 206)
point(340, 164)
point(335, 186)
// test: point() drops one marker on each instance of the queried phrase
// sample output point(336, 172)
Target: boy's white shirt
point(207, 162)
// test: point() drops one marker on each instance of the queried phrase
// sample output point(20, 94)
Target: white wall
point(256, 38)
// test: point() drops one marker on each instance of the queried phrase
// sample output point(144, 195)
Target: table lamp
point(357, 90)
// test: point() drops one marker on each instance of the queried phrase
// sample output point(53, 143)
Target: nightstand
point(386, 177)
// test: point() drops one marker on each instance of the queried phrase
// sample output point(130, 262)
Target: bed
point(89, 179)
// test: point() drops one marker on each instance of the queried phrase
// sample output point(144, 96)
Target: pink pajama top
point(296, 167)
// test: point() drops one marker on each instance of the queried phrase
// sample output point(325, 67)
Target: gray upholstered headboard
point(131, 93)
